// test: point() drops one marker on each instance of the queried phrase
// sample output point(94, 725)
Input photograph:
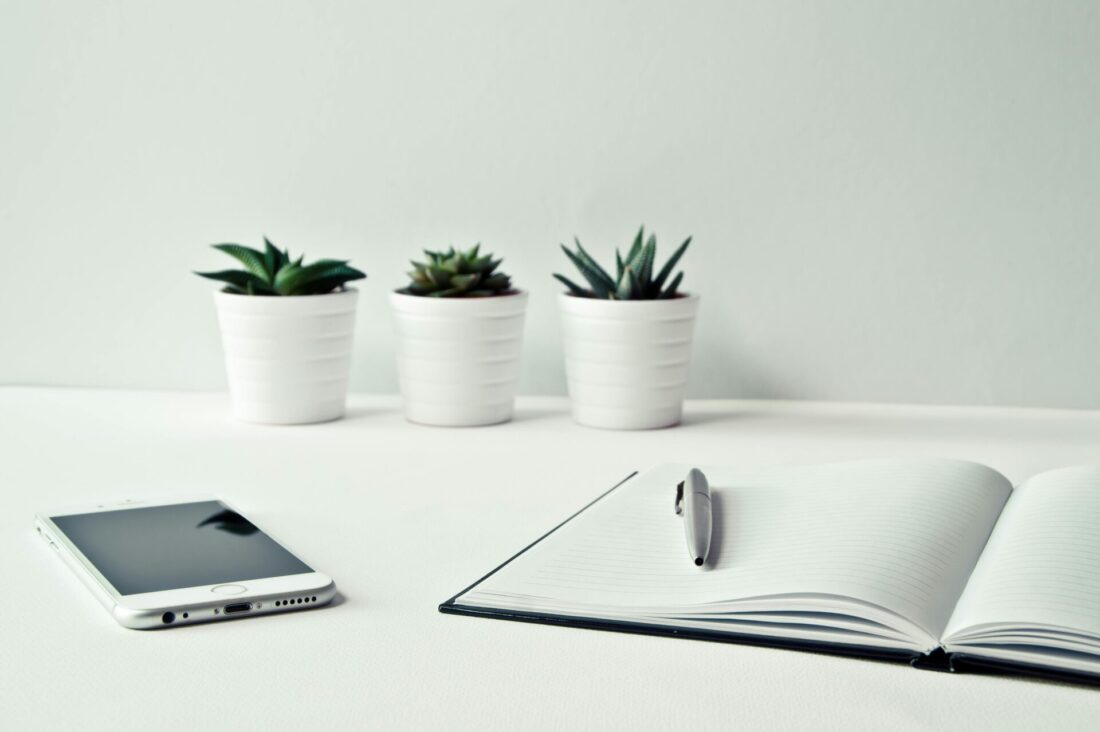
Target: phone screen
point(182, 545)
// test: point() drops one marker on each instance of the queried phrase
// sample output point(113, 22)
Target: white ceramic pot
point(626, 361)
point(458, 358)
point(287, 358)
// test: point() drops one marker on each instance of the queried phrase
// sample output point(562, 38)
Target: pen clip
point(679, 498)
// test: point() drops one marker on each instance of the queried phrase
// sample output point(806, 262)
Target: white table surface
point(343, 495)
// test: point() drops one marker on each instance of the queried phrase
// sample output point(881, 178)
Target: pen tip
point(698, 561)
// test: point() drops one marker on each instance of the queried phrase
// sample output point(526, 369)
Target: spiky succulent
point(634, 278)
point(273, 272)
point(457, 274)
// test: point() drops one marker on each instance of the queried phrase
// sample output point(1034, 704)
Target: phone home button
point(228, 589)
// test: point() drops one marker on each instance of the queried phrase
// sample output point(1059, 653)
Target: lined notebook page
point(1042, 563)
point(901, 534)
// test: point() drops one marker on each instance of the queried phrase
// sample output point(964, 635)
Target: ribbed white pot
point(458, 358)
point(626, 361)
point(287, 358)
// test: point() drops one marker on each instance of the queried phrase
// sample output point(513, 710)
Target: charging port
point(238, 607)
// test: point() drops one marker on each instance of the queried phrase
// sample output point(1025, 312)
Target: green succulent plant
point(634, 278)
point(457, 274)
point(273, 272)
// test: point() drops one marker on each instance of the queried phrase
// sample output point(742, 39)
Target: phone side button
point(228, 589)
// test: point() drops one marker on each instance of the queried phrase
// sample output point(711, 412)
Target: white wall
point(891, 200)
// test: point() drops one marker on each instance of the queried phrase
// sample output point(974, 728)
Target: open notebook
point(938, 561)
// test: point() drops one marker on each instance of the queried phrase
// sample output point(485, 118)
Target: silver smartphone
point(171, 563)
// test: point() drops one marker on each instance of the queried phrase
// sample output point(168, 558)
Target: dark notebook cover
point(938, 660)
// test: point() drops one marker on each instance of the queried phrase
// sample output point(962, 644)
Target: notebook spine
point(937, 660)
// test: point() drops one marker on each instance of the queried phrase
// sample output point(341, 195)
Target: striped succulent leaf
point(273, 272)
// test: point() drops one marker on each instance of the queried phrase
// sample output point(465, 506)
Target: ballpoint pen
point(693, 502)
